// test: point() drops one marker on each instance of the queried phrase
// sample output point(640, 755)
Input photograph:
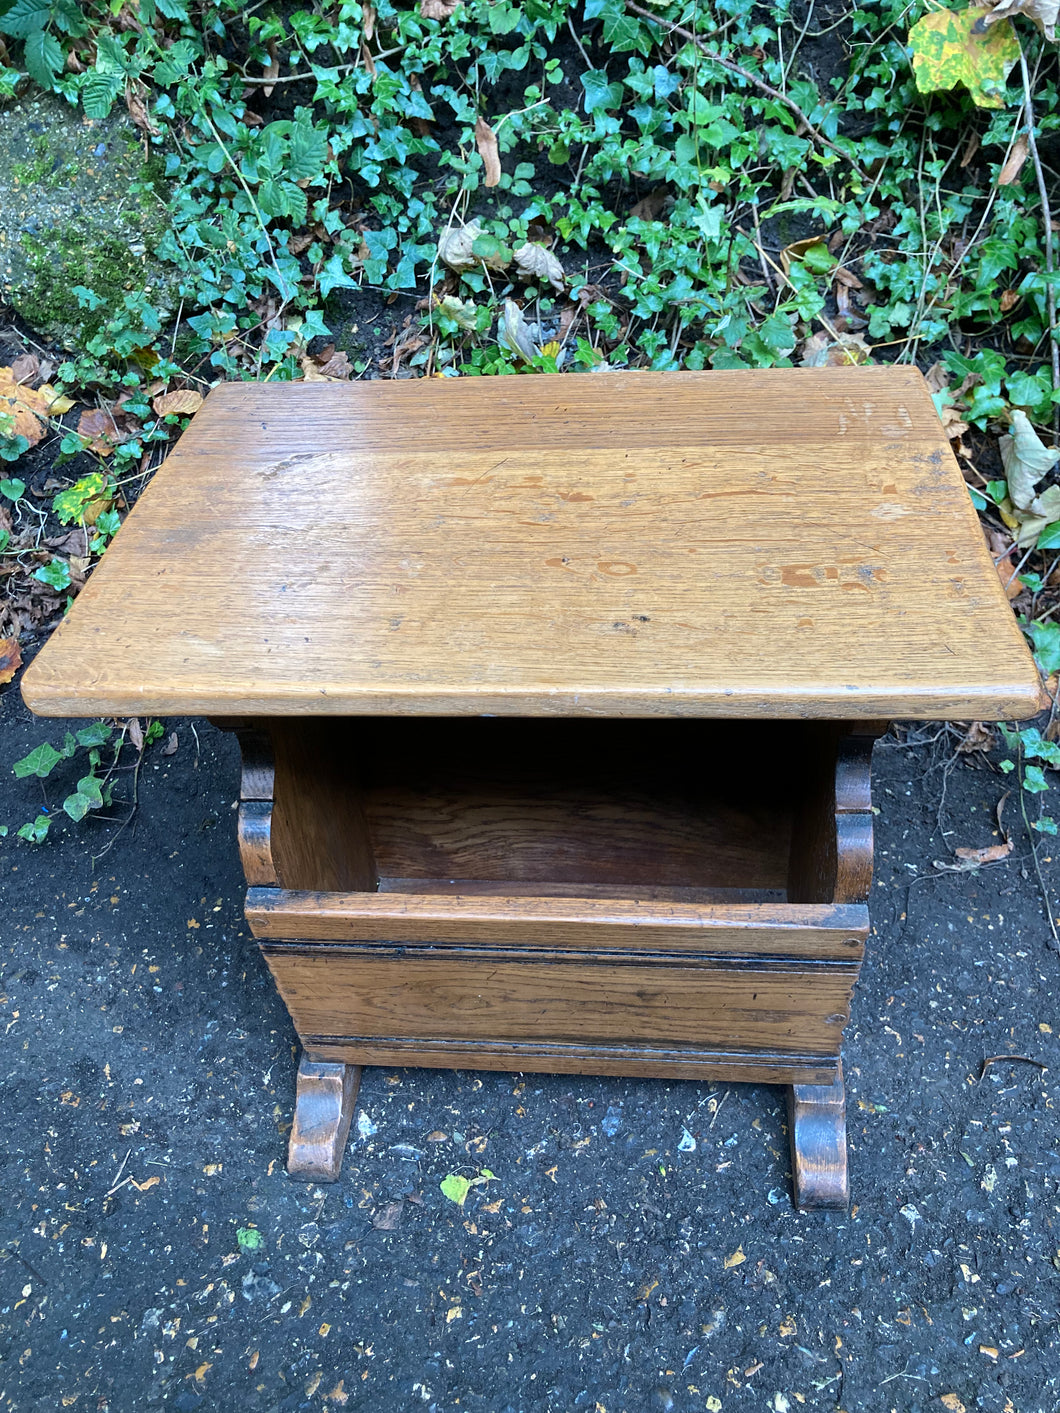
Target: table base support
point(323, 1109)
point(818, 1126)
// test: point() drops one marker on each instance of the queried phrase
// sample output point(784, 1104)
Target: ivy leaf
point(599, 94)
point(98, 734)
point(41, 761)
point(1045, 638)
point(333, 276)
point(55, 574)
point(36, 832)
point(88, 796)
point(1034, 780)
point(951, 48)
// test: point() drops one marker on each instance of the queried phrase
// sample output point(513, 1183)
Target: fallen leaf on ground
point(1016, 158)
point(336, 368)
point(184, 402)
point(1001, 554)
point(978, 737)
point(513, 333)
point(462, 312)
point(1044, 13)
point(454, 246)
point(26, 370)
point(990, 853)
point(455, 1188)
point(437, 9)
point(950, 48)
point(736, 1259)
point(798, 248)
point(24, 411)
point(99, 430)
point(952, 1402)
point(534, 262)
point(651, 207)
point(170, 748)
point(486, 142)
point(387, 1218)
point(1026, 460)
point(10, 658)
point(272, 69)
point(824, 351)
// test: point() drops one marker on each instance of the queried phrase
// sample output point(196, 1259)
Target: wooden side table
point(556, 698)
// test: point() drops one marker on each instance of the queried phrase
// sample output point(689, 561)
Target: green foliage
point(93, 790)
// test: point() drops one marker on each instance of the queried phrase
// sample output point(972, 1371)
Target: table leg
point(818, 1124)
point(323, 1109)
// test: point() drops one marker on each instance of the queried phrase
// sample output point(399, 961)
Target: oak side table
point(556, 698)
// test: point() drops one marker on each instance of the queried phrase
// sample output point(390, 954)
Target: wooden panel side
point(645, 1061)
point(577, 924)
point(320, 834)
point(431, 998)
point(831, 850)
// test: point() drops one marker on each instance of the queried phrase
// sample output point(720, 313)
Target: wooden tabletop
point(782, 543)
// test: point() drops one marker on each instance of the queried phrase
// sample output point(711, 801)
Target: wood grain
point(325, 1095)
point(573, 924)
point(831, 849)
point(774, 543)
point(763, 1006)
point(818, 1130)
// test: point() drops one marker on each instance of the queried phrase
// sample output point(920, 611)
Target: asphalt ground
point(636, 1250)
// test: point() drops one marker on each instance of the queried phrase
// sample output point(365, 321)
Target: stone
point(79, 205)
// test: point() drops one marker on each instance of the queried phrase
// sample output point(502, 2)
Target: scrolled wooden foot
point(817, 1120)
point(323, 1109)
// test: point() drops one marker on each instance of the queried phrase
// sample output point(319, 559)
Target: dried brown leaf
point(135, 732)
point(337, 368)
point(136, 100)
point(368, 18)
point(1016, 158)
point(535, 262)
point(437, 9)
point(387, 1218)
point(486, 142)
point(272, 68)
point(978, 737)
point(824, 351)
point(1044, 13)
point(651, 207)
point(98, 428)
point(184, 402)
point(10, 658)
point(990, 853)
point(26, 370)
point(170, 748)
point(24, 411)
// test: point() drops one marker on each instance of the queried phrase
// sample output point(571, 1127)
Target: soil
point(636, 1249)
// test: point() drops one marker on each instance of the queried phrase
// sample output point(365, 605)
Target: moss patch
point(79, 207)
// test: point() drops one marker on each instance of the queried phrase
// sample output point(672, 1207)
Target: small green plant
point(94, 790)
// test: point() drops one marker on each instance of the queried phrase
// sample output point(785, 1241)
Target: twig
point(581, 46)
point(815, 133)
point(339, 69)
point(1047, 222)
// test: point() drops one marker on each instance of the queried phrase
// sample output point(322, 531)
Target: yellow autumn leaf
point(736, 1259)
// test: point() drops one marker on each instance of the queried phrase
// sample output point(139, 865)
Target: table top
point(783, 543)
